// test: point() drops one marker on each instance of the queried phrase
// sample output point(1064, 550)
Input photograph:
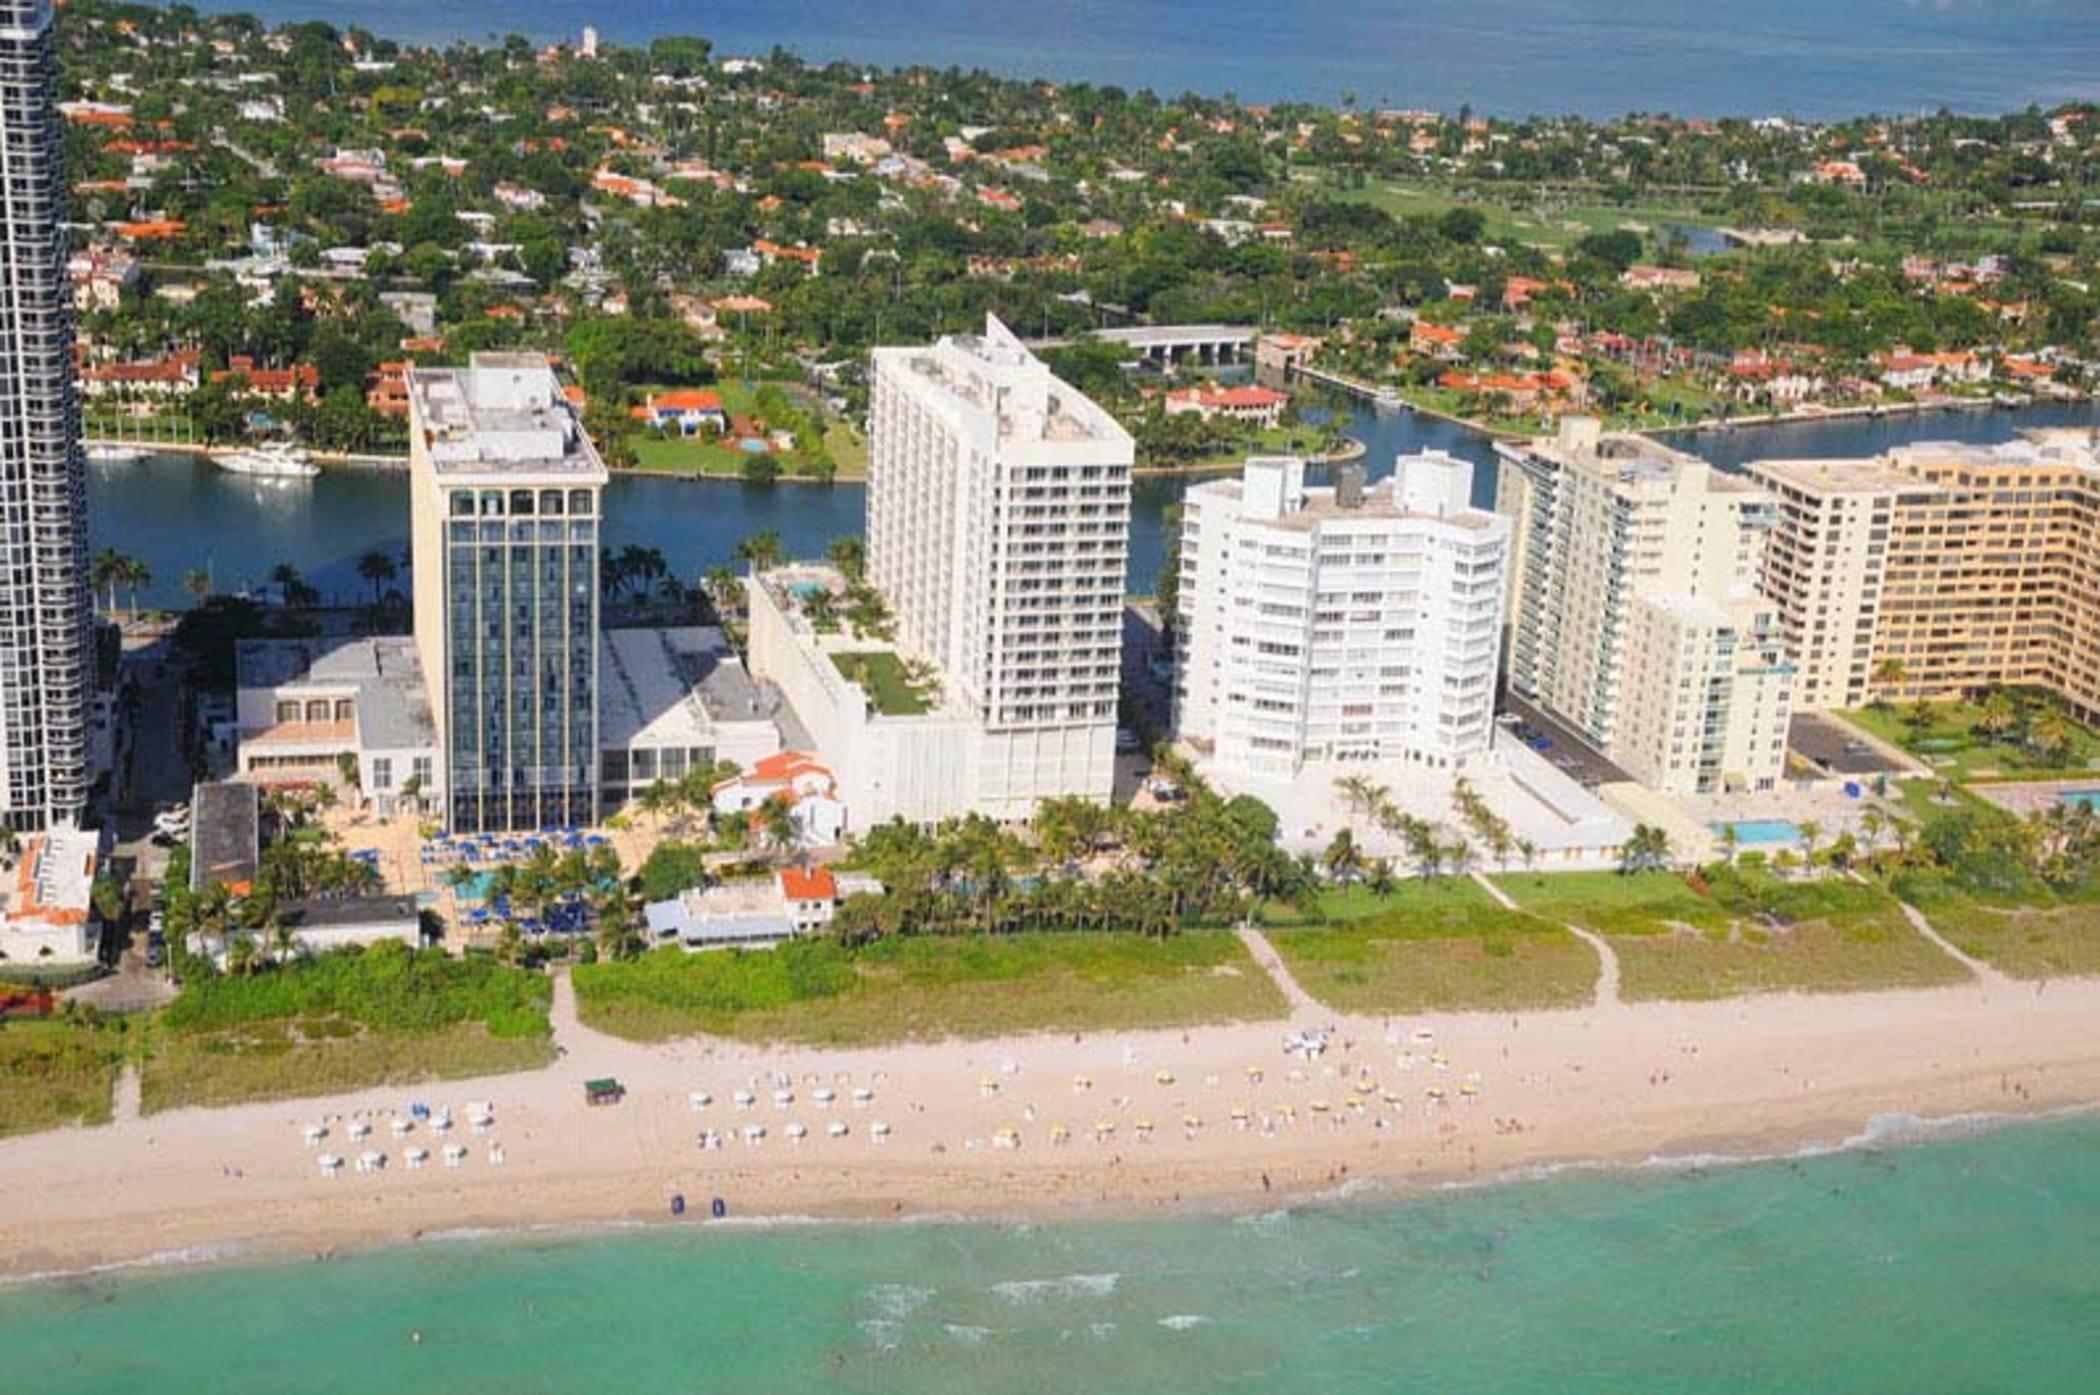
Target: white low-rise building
point(1341, 624)
point(798, 779)
point(47, 902)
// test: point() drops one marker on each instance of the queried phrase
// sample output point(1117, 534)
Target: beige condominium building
point(1955, 567)
point(505, 498)
point(1340, 624)
point(1633, 613)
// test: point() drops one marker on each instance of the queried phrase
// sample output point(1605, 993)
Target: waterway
point(178, 513)
point(1810, 58)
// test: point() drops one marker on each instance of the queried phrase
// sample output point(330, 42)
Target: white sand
point(1607, 1083)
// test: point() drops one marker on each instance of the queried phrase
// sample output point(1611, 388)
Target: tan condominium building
point(1633, 611)
point(504, 493)
point(1940, 569)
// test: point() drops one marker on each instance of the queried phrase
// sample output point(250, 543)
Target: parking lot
point(1834, 748)
point(1557, 743)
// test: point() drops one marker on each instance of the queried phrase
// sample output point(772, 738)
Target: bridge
point(1172, 343)
point(1376, 394)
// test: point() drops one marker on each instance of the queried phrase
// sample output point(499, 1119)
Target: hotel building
point(1634, 616)
point(1342, 624)
point(1958, 566)
point(505, 503)
point(46, 658)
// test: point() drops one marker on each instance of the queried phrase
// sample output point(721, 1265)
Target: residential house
point(1245, 403)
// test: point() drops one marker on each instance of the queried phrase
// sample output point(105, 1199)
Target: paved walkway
point(124, 1103)
point(1272, 964)
point(1607, 960)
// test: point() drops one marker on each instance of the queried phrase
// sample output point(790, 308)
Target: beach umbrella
point(1254, 1074)
point(701, 1100)
point(745, 1099)
point(359, 1128)
point(1059, 1133)
point(1006, 1138)
point(315, 1133)
point(988, 1085)
point(1165, 1077)
point(797, 1131)
point(754, 1133)
point(454, 1154)
point(1104, 1127)
point(495, 1155)
point(416, 1156)
point(1318, 1106)
point(783, 1098)
point(1082, 1082)
point(330, 1163)
point(1144, 1125)
point(878, 1131)
point(371, 1160)
point(863, 1095)
point(825, 1097)
point(836, 1128)
point(1191, 1121)
point(402, 1126)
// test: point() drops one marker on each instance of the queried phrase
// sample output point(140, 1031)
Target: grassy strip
point(1748, 932)
point(56, 1073)
point(2036, 935)
point(322, 1056)
point(926, 989)
point(347, 1020)
point(1953, 745)
point(1434, 946)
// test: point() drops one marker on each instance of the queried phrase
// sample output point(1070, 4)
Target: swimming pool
point(1749, 832)
point(2089, 798)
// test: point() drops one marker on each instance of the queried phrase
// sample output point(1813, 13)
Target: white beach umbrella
point(455, 1154)
point(315, 1133)
point(745, 1099)
point(797, 1130)
point(701, 1100)
point(330, 1163)
point(836, 1128)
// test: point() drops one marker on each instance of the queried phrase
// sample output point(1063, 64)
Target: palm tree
point(378, 568)
point(1810, 831)
point(1730, 841)
point(850, 555)
point(108, 569)
point(2050, 736)
point(1646, 851)
point(761, 552)
point(1888, 674)
point(1343, 858)
point(198, 584)
point(134, 574)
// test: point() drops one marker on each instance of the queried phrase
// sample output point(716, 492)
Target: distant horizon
point(1809, 60)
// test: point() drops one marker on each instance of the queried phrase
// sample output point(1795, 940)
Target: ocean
point(1960, 1265)
point(1806, 58)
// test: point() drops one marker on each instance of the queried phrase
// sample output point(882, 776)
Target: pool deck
point(2030, 797)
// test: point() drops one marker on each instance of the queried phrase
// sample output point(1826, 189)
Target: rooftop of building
point(348, 910)
point(1862, 475)
point(505, 413)
point(54, 878)
point(879, 666)
point(673, 686)
point(1628, 457)
point(225, 834)
point(1306, 509)
point(992, 378)
point(383, 671)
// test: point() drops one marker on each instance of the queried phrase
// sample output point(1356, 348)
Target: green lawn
point(1750, 933)
point(880, 674)
point(344, 1021)
point(722, 459)
point(1554, 228)
point(56, 1073)
point(926, 989)
point(1434, 946)
point(1953, 747)
point(2037, 935)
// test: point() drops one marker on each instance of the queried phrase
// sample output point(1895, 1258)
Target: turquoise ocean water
point(1961, 1265)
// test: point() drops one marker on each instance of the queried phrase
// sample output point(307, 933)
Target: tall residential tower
point(505, 491)
point(46, 658)
point(998, 526)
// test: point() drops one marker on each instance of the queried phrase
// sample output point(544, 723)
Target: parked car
point(1127, 743)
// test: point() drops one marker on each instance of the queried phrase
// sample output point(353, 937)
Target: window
point(382, 772)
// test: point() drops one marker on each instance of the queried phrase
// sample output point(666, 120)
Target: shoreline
point(1606, 1088)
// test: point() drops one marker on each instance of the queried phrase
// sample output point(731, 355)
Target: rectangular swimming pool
point(1749, 832)
point(2089, 798)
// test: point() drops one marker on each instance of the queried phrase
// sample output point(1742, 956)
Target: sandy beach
point(1235, 1120)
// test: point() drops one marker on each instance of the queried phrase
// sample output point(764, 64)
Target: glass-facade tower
point(506, 492)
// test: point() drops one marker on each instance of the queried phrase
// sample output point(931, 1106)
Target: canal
point(178, 513)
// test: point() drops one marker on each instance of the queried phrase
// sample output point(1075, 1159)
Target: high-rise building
point(1620, 543)
point(46, 655)
point(505, 491)
point(1937, 570)
point(998, 526)
point(1342, 624)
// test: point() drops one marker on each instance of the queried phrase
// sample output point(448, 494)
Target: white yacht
point(277, 459)
point(111, 453)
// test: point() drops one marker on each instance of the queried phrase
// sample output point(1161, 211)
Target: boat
point(277, 460)
point(109, 453)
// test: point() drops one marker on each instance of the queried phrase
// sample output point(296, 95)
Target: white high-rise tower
point(45, 651)
point(998, 527)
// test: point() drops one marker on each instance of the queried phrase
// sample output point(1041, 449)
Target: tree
point(850, 555)
point(1647, 850)
point(1888, 675)
point(2050, 737)
point(198, 584)
point(108, 569)
point(761, 551)
point(378, 568)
